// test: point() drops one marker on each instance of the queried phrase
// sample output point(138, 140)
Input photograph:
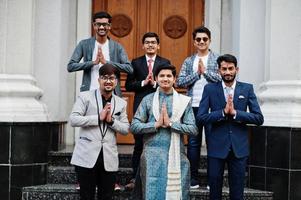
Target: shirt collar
point(232, 87)
point(153, 58)
point(104, 100)
point(104, 44)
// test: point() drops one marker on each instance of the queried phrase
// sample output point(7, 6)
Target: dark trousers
point(194, 149)
point(90, 178)
point(236, 171)
point(138, 148)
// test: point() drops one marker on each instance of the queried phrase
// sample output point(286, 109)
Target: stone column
point(280, 94)
point(24, 127)
point(275, 161)
point(19, 95)
point(213, 22)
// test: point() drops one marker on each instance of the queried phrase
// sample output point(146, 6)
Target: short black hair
point(107, 69)
point(150, 34)
point(166, 66)
point(201, 29)
point(102, 14)
point(226, 58)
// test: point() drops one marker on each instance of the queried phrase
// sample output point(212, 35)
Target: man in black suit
point(142, 82)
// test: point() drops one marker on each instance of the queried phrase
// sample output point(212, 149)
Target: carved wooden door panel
point(172, 20)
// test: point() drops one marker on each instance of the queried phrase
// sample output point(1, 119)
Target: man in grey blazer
point(100, 115)
point(96, 51)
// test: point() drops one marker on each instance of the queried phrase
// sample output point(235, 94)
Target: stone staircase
point(61, 180)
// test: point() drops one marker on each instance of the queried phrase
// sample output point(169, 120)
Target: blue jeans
point(194, 149)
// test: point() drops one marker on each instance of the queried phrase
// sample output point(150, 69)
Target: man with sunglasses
point(142, 83)
point(100, 115)
point(196, 71)
point(97, 51)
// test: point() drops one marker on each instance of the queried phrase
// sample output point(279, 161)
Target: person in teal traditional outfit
point(164, 117)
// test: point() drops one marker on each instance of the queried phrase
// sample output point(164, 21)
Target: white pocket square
point(241, 97)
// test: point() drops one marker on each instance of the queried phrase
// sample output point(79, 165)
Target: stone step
point(249, 194)
point(67, 175)
point(69, 192)
point(63, 157)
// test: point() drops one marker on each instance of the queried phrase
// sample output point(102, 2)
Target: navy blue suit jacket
point(227, 132)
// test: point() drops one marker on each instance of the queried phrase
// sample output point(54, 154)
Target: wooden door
point(172, 20)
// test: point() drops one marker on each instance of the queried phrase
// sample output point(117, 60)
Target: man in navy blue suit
point(224, 106)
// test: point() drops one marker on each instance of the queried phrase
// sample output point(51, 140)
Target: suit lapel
point(113, 104)
point(157, 63)
point(91, 47)
point(99, 100)
point(144, 65)
point(236, 93)
point(220, 92)
point(111, 48)
point(100, 107)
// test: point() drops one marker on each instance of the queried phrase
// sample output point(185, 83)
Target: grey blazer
point(91, 140)
point(85, 48)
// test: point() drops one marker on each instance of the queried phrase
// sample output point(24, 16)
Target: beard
point(108, 87)
point(229, 78)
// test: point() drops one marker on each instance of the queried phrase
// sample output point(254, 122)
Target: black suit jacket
point(133, 81)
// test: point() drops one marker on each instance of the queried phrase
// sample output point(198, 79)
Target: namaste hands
point(164, 120)
point(229, 109)
point(201, 67)
point(105, 114)
point(149, 80)
point(99, 57)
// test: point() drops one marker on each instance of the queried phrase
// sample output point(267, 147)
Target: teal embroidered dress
point(154, 158)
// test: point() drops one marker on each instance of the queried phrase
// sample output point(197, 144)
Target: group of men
point(216, 101)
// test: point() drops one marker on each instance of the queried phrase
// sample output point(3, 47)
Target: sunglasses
point(199, 39)
point(98, 24)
